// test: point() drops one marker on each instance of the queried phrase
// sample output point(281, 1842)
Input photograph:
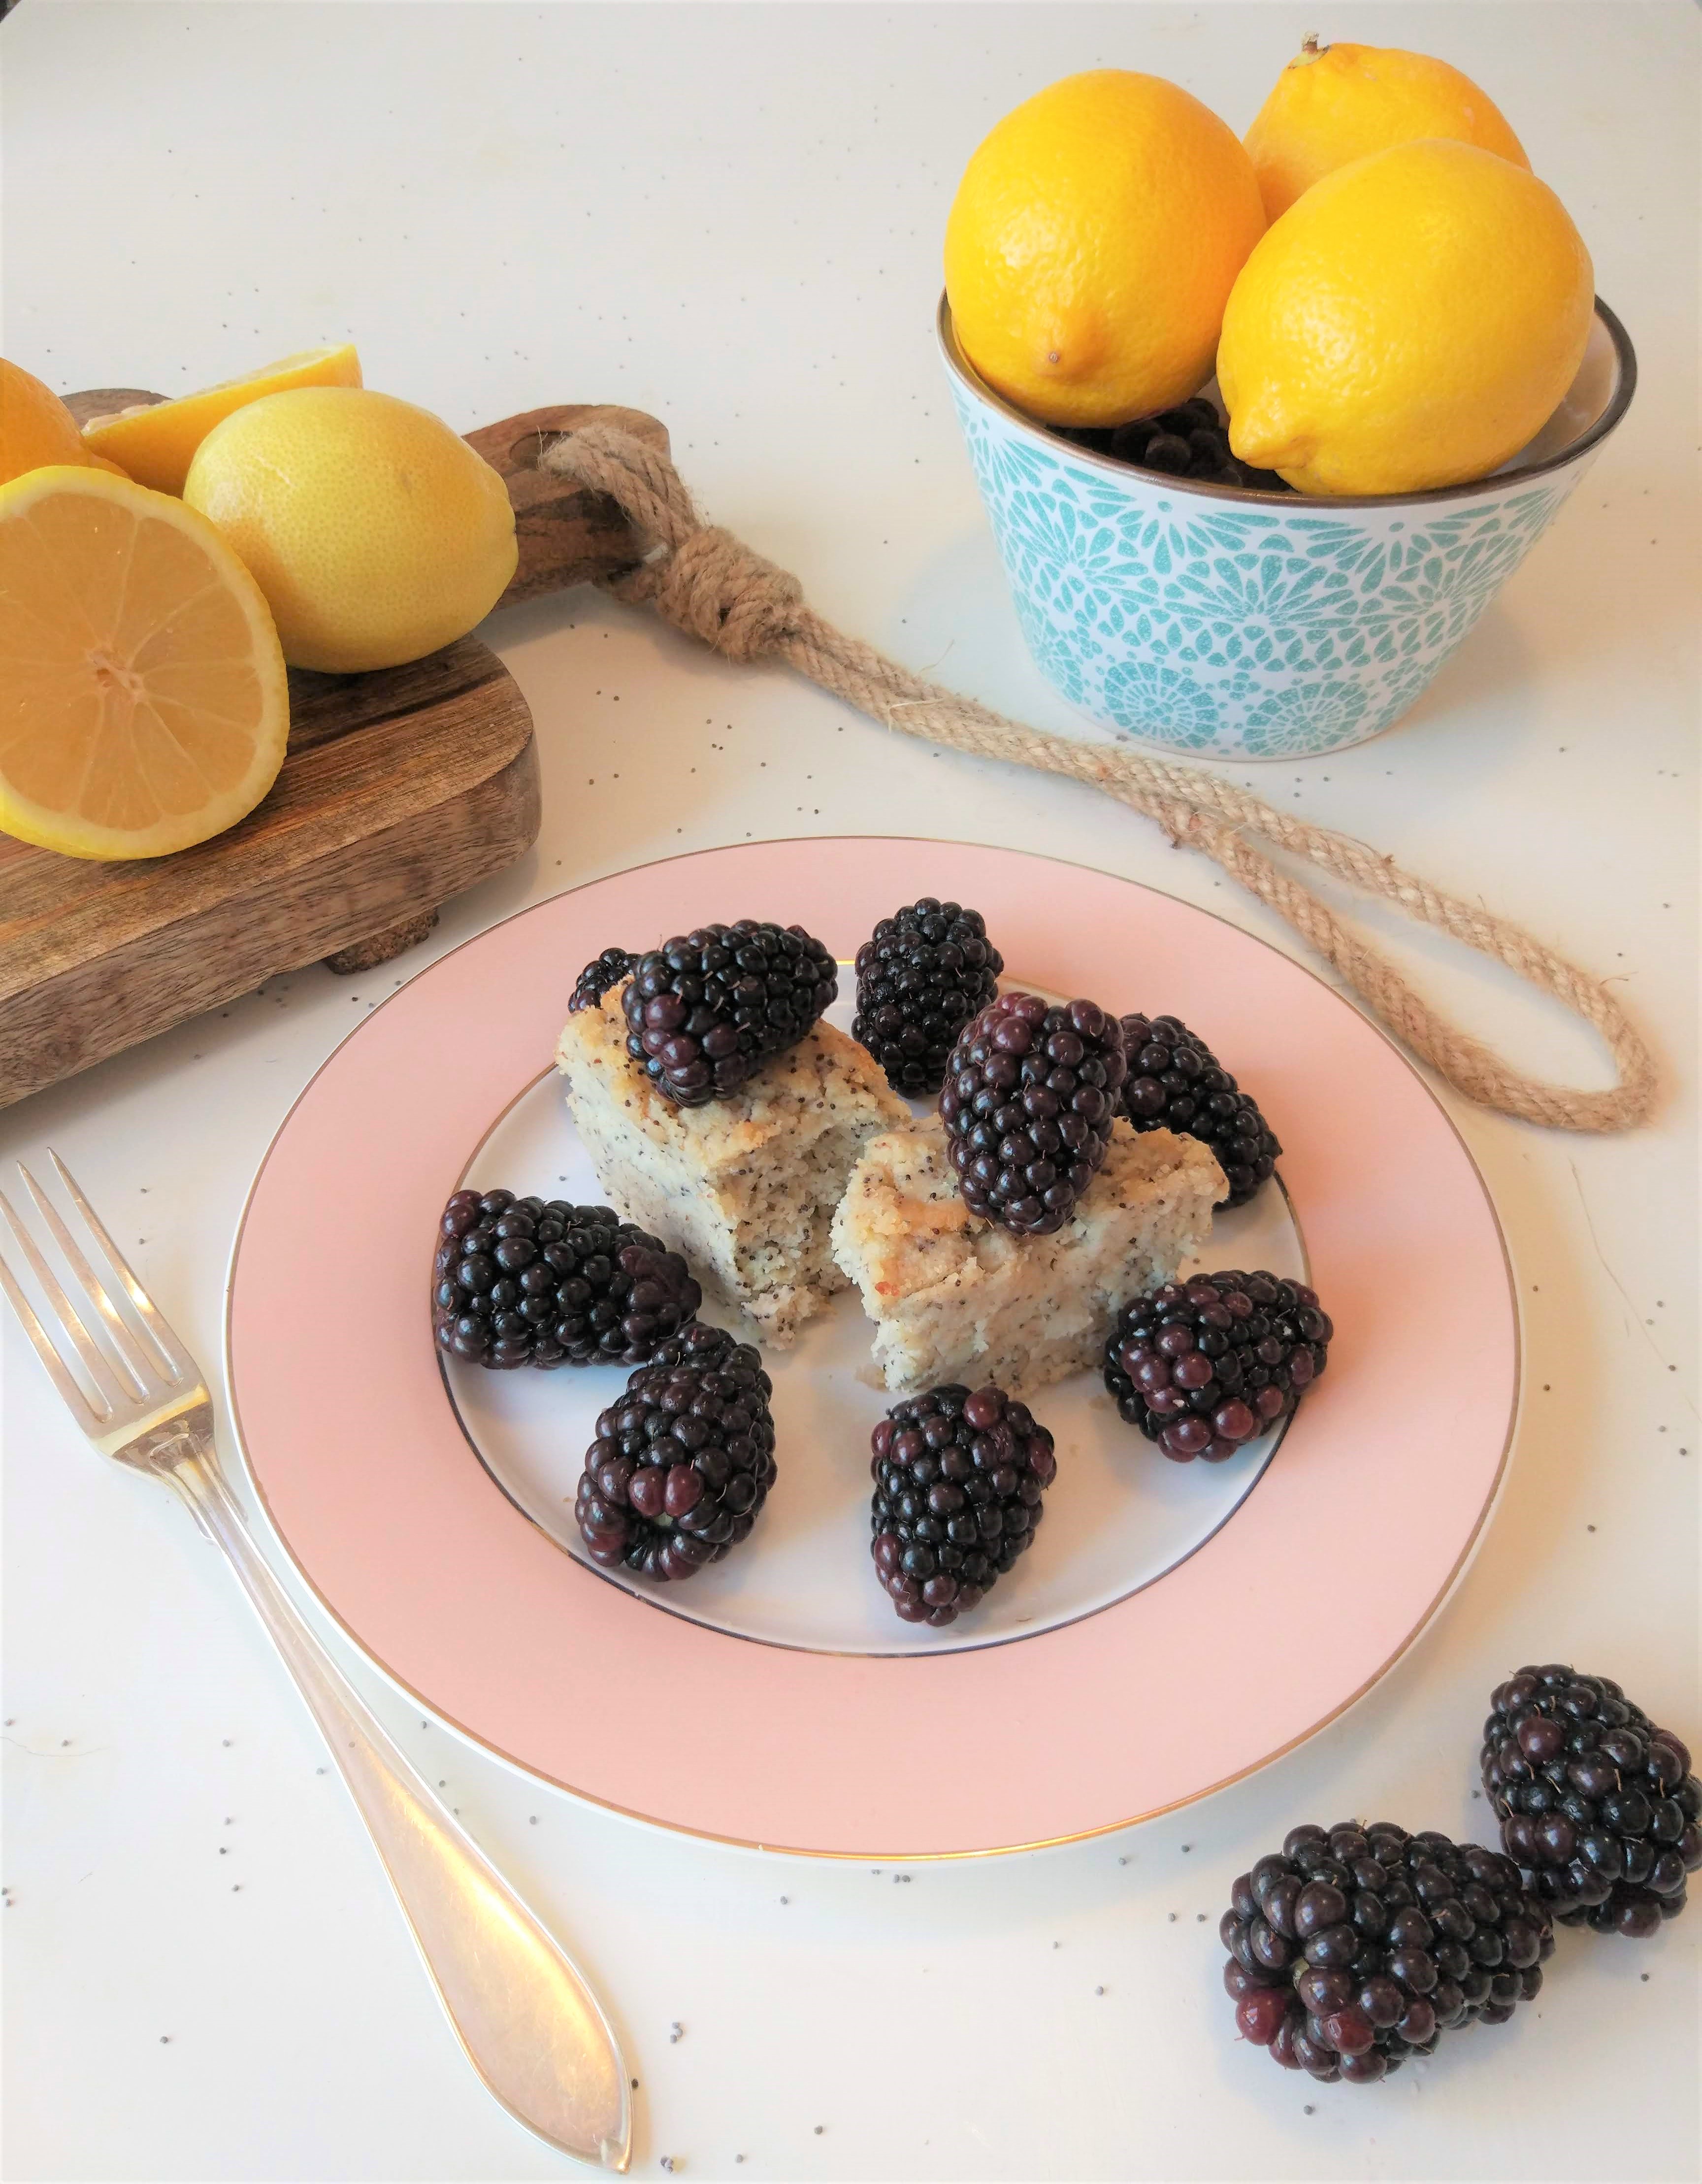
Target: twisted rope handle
point(705, 581)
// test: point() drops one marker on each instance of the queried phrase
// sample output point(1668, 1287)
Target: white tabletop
point(731, 217)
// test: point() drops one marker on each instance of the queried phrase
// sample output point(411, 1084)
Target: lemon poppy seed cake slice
point(954, 1296)
point(744, 1186)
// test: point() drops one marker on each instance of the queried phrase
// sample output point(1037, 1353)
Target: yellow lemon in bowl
point(154, 443)
point(1091, 243)
point(1410, 322)
point(145, 703)
point(376, 532)
point(1334, 104)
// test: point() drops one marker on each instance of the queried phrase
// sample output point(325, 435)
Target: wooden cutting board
point(401, 787)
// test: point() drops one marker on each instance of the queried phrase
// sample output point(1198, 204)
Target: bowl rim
point(957, 364)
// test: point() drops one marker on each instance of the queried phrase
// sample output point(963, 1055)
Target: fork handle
point(531, 2025)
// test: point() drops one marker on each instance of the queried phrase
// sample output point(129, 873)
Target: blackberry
point(925, 973)
point(958, 1482)
point(518, 1281)
point(704, 1012)
point(1598, 1805)
point(1030, 1096)
point(1190, 441)
point(1356, 1947)
point(1177, 1083)
point(1203, 1365)
point(681, 1465)
point(595, 980)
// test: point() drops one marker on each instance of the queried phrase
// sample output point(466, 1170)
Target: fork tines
point(130, 1370)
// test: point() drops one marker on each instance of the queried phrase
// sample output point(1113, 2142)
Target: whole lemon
point(1412, 321)
point(1334, 104)
point(35, 427)
point(376, 534)
point(1092, 244)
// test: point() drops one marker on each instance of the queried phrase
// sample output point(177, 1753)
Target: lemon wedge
point(155, 443)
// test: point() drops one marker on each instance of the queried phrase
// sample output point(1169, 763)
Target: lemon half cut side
point(144, 705)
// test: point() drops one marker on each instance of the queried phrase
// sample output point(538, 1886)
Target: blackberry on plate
point(1029, 1095)
point(1598, 1805)
point(1203, 1365)
point(1358, 1946)
point(596, 978)
point(521, 1281)
point(926, 971)
point(1177, 1083)
point(957, 1481)
point(681, 1465)
point(707, 1010)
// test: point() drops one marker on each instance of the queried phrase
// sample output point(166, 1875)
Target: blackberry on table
point(704, 1011)
point(681, 1465)
point(1599, 1807)
point(1177, 1083)
point(1029, 1095)
point(523, 1281)
point(1355, 1947)
point(925, 972)
point(597, 978)
point(1203, 1365)
point(958, 1477)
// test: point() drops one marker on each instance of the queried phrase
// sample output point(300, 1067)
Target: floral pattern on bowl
point(1234, 623)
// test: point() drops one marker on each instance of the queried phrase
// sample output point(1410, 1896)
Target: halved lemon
point(155, 443)
point(143, 701)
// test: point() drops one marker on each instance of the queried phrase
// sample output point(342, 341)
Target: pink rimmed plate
point(1152, 1646)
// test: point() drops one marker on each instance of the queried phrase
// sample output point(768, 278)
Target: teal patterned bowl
point(1231, 623)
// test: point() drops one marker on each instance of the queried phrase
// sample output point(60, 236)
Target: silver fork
point(530, 2024)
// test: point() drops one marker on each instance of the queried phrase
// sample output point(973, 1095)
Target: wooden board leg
point(368, 954)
